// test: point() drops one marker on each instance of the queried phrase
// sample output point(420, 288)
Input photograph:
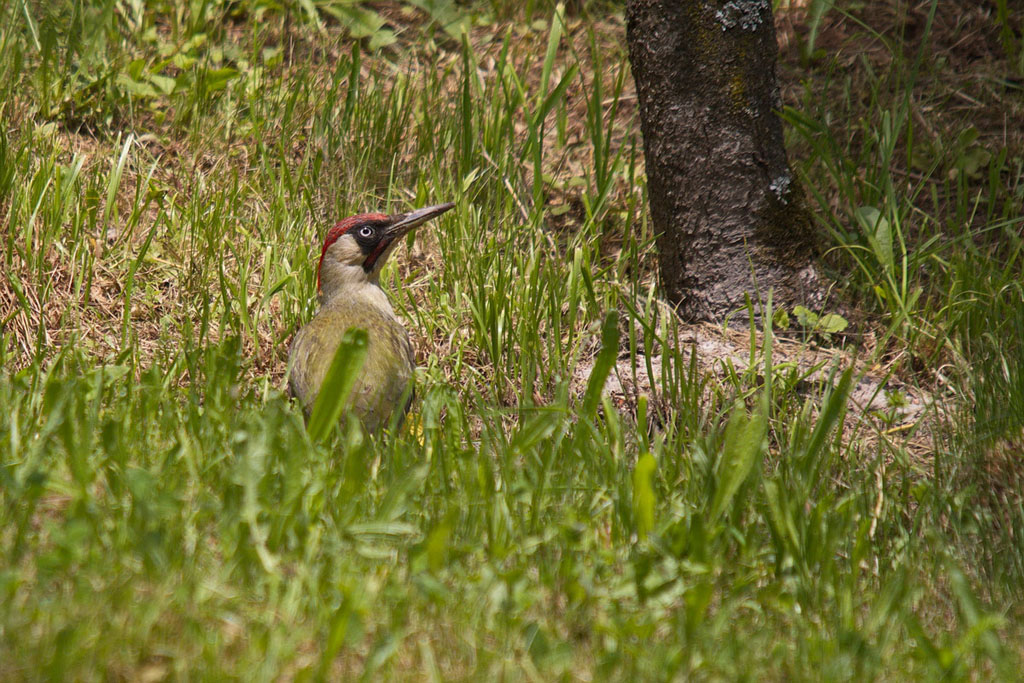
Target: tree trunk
point(723, 199)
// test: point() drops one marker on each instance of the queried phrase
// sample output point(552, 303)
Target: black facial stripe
point(371, 259)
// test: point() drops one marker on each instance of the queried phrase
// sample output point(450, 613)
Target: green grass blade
point(835, 403)
point(338, 383)
point(604, 363)
point(743, 444)
point(644, 497)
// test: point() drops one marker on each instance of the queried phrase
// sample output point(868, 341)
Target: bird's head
point(357, 247)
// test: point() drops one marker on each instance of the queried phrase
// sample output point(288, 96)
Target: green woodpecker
point(348, 281)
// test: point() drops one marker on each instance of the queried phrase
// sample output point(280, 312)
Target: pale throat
point(342, 284)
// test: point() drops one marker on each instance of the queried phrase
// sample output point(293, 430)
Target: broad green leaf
point(382, 530)
point(138, 88)
point(310, 9)
point(362, 23)
point(780, 319)
point(879, 233)
point(180, 60)
point(743, 445)
point(382, 38)
point(135, 69)
point(437, 545)
point(643, 494)
point(338, 383)
point(974, 160)
point(218, 79)
point(536, 429)
point(447, 14)
point(164, 84)
point(807, 318)
point(968, 136)
point(832, 323)
point(780, 518)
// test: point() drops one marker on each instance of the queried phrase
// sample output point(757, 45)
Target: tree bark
point(723, 199)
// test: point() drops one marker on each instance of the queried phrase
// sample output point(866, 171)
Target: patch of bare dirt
point(883, 406)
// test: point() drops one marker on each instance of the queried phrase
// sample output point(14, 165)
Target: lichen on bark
point(748, 15)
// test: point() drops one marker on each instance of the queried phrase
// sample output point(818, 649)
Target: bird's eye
point(366, 231)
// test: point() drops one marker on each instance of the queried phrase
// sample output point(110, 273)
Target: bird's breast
point(386, 373)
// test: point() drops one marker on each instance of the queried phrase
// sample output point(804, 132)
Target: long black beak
point(404, 222)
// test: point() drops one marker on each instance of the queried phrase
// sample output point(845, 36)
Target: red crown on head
point(339, 229)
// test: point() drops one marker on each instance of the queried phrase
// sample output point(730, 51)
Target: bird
point(350, 296)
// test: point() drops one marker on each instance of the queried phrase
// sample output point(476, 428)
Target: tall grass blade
point(338, 384)
point(742, 446)
point(604, 363)
point(644, 498)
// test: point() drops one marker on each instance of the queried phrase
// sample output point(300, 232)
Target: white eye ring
point(365, 231)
